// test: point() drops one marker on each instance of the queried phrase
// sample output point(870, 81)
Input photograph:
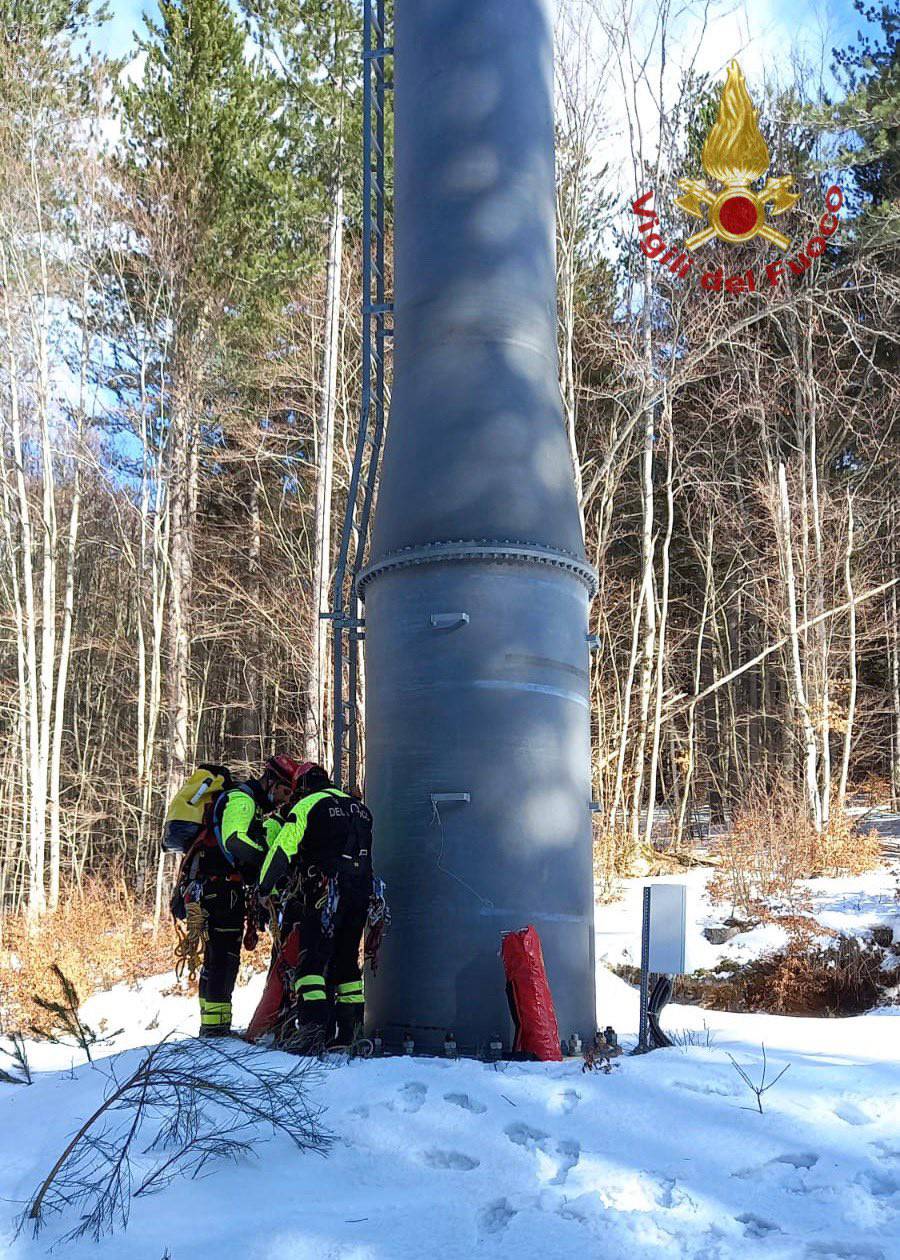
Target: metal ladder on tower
point(348, 624)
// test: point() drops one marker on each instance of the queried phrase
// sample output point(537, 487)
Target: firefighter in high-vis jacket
point(222, 875)
point(321, 859)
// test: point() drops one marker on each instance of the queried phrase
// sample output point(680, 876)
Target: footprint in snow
point(796, 1160)
point(851, 1114)
point(412, 1096)
point(669, 1194)
point(569, 1154)
point(881, 1183)
point(524, 1135)
point(494, 1218)
point(450, 1159)
point(467, 1103)
point(566, 1101)
point(756, 1227)
point(720, 1089)
point(805, 1159)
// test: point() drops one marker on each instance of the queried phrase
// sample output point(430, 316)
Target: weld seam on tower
point(484, 549)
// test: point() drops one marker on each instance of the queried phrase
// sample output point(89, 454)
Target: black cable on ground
point(662, 992)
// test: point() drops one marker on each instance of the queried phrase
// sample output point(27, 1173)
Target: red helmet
point(288, 771)
point(311, 778)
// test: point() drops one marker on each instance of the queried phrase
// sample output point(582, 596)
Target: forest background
point(180, 249)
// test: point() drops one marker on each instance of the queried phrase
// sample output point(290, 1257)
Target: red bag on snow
point(530, 1000)
point(266, 1014)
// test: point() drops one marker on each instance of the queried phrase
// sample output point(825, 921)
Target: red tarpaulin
point(529, 994)
point(266, 1014)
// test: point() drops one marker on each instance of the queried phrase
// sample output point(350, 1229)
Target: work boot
point(308, 1032)
point(208, 1031)
point(349, 1024)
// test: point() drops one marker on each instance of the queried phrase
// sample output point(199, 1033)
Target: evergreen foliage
point(203, 141)
point(870, 70)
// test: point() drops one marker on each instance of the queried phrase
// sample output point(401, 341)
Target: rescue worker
point(322, 861)
point(223, 873)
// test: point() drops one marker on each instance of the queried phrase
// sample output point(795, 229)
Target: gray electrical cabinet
point(668, 929)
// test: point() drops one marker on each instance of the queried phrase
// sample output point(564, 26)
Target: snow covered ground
point(665, 1157)
point(852, 905)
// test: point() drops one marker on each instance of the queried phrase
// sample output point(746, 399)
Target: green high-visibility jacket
point(245, 834)
point(287, 845)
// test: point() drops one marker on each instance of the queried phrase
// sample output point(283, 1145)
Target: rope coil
point(192, 941)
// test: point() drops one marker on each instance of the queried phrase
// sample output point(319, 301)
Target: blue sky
point(117, 36)
point(778, 21)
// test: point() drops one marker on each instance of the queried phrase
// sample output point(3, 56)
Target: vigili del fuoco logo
point(735, 157)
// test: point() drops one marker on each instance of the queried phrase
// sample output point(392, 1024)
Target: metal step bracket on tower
point(377, 329)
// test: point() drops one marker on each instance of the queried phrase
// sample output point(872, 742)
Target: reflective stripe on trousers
point(310, 988)
point(214, 1014)
point(350, 994)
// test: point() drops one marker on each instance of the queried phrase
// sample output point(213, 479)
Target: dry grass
point(98, 937)
point(773, 847)
point(808, 976)
point(874, 787)
point(615, 857)
point(817, 973)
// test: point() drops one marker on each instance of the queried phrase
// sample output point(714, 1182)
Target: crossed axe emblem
point(738, 213)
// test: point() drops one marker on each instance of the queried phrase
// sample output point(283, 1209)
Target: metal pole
point(643, 1040)
point(380, 307)
point(339, 611)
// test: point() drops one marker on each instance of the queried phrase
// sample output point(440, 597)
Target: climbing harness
point(272, 909)
point(377, 923)
point(329, 902)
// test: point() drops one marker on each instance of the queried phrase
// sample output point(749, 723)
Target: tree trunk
point(801, 704)
point(851, 660)
point(663, 625)
point(181, 565)
point(318, 666)
point(894, 655)
point(37, 835)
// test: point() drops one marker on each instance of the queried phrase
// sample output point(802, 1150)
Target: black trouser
point(224, 901)
point(329, 980)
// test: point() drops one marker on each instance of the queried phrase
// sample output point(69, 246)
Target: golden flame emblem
point(735, 154)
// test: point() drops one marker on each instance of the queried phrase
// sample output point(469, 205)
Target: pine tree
point(212, 191)
point(202, 134)
point(870, 69)
point(27, 21)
